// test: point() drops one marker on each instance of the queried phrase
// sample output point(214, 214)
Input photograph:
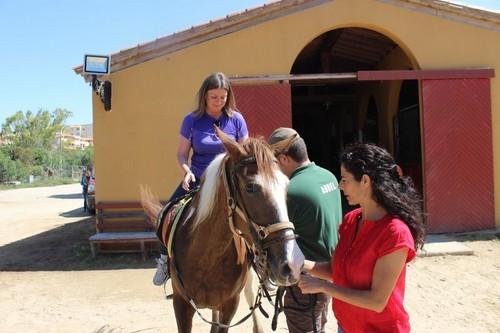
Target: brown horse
point(241, 203)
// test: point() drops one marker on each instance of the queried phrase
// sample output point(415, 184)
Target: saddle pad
point(162, 216)
point(176, 215)
point(170, 217)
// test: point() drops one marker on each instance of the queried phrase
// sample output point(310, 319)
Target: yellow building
point(416, 76)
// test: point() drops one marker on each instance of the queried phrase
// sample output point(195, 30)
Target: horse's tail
point(150, 204)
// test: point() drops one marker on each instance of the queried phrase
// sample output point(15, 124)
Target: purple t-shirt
point(206, 145)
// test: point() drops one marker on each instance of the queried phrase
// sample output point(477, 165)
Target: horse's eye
point(252, 188)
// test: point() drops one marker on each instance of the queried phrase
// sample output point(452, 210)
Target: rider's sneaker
point(162, 273)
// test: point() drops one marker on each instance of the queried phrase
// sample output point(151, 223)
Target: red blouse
point(353, 265)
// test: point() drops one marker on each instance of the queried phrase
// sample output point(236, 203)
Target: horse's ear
point(233, 148)
point(282, 146)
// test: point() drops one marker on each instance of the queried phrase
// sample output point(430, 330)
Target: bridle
point(259, 249)
point(261, 232)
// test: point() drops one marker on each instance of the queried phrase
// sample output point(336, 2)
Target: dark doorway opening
point(407, 143)
point(325, 115)
point(370, 133)
point(332, 113)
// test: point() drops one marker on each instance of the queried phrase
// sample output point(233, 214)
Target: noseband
point(261, 231)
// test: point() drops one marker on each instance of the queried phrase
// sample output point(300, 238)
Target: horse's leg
point(215, 319)
point(250, 298)
point(184, 313)
point(227, 312)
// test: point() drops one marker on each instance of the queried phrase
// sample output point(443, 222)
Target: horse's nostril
point(285, 269)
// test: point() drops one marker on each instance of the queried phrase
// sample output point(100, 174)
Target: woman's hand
point(183, 150)
point(311, 285)
point(188, 179)
point(320, 270)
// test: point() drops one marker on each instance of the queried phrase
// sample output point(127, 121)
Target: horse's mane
point(213, 175)
point(209, 187)
point(266, 162)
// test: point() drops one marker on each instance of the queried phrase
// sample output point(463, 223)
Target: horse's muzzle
point(285, 263)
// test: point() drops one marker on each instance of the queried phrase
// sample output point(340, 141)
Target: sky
point(43, 40)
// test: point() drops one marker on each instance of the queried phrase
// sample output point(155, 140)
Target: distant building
point(76, 136)
point(83, 131)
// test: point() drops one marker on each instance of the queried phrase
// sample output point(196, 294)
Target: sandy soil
point(49, 281)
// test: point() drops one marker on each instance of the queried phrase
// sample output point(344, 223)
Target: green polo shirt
point(314, 207)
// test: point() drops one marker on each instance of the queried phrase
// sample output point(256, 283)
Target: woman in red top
point(376, 241)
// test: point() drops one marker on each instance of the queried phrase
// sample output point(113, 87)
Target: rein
point(257, 304)
point(302, 307)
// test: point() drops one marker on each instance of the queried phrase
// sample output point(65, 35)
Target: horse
point(241, 205)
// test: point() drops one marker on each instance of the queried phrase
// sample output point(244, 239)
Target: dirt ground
point(49, 282)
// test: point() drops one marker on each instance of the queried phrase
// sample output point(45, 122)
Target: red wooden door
point(458, 154)
point(265, 107)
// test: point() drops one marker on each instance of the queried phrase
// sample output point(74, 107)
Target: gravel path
point(49, 282)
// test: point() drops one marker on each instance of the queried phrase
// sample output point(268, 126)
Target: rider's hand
point(188, 178)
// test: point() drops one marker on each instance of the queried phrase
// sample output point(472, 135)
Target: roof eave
point(268, 11)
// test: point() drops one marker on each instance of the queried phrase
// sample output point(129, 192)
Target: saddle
point(169, 217)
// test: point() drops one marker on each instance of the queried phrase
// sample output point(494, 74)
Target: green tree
point(27, 131)
point(87, 157)
point(30, 146)
point(7, 167)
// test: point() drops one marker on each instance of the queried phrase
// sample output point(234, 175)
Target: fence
point(73, 172)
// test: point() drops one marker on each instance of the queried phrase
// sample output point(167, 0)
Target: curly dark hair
point(391, 190)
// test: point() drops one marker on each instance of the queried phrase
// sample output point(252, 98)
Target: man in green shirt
point(314, 207)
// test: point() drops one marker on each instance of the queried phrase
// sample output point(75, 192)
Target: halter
point(261, 231)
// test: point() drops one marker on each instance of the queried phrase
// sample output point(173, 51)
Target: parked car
point(91, 196)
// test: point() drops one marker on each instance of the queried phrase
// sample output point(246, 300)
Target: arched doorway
point(332, 113)
point(355, 84)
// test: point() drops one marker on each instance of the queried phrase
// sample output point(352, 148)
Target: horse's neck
point(215, 229)
point(208, 255)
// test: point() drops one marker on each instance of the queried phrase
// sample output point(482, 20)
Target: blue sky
point(42, 40)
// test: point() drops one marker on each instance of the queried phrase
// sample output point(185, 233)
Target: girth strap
point(183, 204)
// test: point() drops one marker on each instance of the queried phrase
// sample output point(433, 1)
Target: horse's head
point(258, 191)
